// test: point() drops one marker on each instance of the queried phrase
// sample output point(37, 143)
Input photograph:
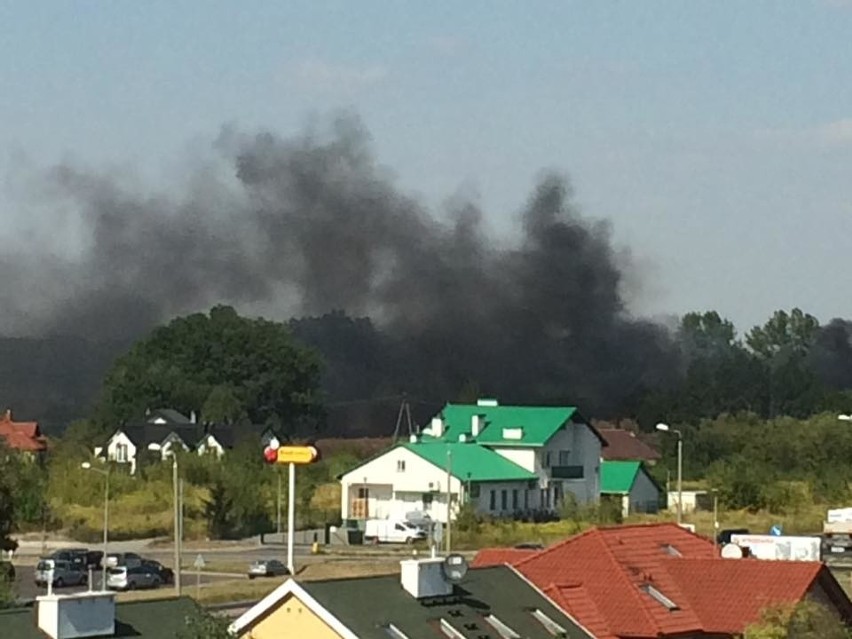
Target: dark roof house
point(625, 445)
point(494, 602)
point(152, 619)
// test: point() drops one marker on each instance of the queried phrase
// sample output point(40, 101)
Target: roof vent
point(476, 424)
point(87, 614)
point(491, 403)
point(436, 429)
point(513, 433)
point(412, 439)
point(462, 438)
point(422, 578)
point(659, 597)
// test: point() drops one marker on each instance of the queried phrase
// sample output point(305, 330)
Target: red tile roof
point(609, 579)
point(24, 436)
point(498, 556)
point(624, 445)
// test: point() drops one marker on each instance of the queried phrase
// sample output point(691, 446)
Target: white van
point(392, 531)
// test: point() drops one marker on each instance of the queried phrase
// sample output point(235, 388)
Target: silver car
point(126, 578)
point(267, 568)
point(63, 573)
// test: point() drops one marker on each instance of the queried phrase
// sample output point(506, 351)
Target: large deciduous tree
point(221, 364)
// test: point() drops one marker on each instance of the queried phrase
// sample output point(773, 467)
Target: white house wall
point(112, 450)
point(392, 492)
point(523, 457)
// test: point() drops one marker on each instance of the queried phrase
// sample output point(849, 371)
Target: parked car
point(167, 575)
point(64, 573)
point(127, 578)
point(128, 559)
point(82, 557)
point(267, 568)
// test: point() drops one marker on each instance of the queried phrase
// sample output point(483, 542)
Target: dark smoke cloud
point(310, 224)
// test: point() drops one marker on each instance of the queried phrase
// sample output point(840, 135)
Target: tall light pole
point(178, 525)
point(105, 473)
point(665, 428)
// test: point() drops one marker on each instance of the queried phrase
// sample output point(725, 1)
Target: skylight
point(552, 627)
point(449, 631)
point(394, 632)
point(671, 550)
point(502, 629)
point(659, 597)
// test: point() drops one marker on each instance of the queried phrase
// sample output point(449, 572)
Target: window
point(502, 629)
point(400, 466)
point(526, 500)
point(504, 500)
point(121, 453)
point(493, 500)
point(564, 457)
point(427, 500)
point(547, 460)
point(363, 493)
point(551, 626)
point(659, 597)
point(399, 527)
point(449, 631)
point(474, 491)
point(394, 632)
point(514, 499)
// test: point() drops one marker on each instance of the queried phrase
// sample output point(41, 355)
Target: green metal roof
point(618, 476)
point(537, 423)
point(368, 606)
point(470, 461)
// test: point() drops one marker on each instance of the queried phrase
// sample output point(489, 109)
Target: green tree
point(7, 498)
point(223, 406)
point(226, 363)
point(202, 625)
point(806, 620)
point(794, 333)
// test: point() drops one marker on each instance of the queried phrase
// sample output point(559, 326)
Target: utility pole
point(449, 499)
point(291, 514)
point(278, 505)
point(178, 531)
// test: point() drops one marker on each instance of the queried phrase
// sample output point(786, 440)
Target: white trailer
point(781, 547)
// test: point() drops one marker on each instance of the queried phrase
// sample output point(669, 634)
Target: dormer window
point(659, 597)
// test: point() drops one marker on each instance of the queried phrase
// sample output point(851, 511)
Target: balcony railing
point(566, 472)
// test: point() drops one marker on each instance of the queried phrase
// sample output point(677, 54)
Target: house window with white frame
point(121, 453)
point(400, 466)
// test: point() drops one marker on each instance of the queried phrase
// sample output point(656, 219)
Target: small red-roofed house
point(660, 580)
point(24, 437)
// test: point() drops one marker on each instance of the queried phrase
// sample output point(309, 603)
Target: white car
point(393, 531)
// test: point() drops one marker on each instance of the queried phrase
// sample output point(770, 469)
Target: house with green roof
point(631, 484)
point(506, 460)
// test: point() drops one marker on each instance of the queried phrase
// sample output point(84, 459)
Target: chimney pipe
point(437, 427)
point(476, 425)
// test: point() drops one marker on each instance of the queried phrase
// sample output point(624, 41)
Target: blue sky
point(715, 136)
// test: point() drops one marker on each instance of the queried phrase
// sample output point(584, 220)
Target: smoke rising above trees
point(311, 224)
point(397, 299)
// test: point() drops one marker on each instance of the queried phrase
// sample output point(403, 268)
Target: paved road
point(27, 590)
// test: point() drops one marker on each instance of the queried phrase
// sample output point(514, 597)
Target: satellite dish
point(732, 551)
point(455, 568)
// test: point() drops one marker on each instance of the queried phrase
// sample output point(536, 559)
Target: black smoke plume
point(308, 225)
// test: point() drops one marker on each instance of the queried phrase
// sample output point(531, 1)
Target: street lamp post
point(665, 428)
point(105, 473)
point(178, 525)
